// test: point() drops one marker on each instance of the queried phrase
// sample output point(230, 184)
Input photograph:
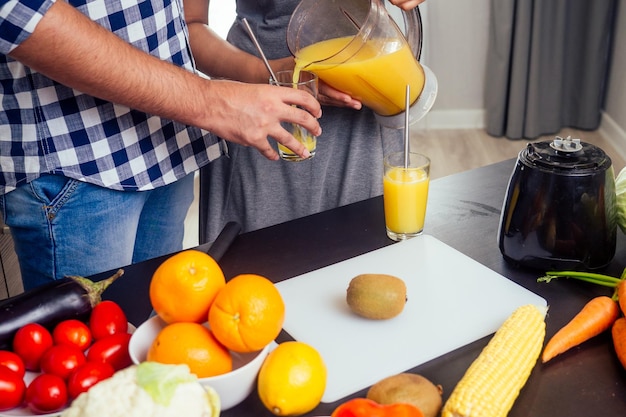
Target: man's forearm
point(71, 49)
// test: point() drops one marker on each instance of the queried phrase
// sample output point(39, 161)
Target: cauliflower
point(149, 389)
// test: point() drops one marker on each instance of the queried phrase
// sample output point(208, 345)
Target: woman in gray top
point(255, 191)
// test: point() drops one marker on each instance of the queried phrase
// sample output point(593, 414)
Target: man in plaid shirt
point(104, 119)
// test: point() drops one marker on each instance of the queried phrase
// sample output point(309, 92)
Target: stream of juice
point(376, 74)
point(405, 194)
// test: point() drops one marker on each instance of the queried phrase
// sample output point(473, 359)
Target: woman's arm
point(216, 57)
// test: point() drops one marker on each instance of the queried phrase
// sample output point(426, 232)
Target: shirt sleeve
point(18, 19)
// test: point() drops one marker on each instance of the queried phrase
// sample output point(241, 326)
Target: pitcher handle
point(413, 25)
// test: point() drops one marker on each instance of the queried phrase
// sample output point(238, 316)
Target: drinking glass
point(405, 194)
point(306, 81)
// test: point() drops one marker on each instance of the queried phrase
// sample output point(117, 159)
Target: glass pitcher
point(356, 47)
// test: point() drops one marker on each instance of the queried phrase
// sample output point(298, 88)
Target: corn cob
point(493, 381)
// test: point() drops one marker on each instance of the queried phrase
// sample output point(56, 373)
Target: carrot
point(596, 316)
point(618, 333)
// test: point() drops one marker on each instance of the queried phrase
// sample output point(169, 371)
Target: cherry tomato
point(61, 360)
point(72, 332)
point(12, 361)
point(107, 318)
point(46, 393)
point(86, 376)
point(112, 350)
point(30, 342)
point(12, 389)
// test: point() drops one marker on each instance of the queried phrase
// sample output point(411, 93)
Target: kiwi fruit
point(376, 296)
point(408, 388)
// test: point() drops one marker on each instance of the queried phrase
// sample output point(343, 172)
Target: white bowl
point(232, 387)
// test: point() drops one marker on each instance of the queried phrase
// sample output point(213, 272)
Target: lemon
point(292, 379)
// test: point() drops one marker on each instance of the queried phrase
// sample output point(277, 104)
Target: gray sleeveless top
point(256, 192)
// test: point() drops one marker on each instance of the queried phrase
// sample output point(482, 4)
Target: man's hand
point(247, 114)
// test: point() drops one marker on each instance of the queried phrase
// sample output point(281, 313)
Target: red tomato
point(12, 389)
point(61, 360)
point(46, 393)
point(86, 376)
point(112, 350)
point(30, 342)
point(107, 318)
point(72, 332)
point(12, 361)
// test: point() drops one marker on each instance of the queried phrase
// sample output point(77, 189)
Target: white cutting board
point(452, 301)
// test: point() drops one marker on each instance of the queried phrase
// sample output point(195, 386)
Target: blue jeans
point(62, 226)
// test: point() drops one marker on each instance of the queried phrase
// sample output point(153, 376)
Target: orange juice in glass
point(306, 81)
point(405, 194)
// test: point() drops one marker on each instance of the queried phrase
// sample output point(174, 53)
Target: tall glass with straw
point(405, 188)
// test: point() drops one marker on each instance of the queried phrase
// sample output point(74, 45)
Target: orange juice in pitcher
point(356, 47)
point(377, 79)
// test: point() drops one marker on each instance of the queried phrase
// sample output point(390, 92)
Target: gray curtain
point(547, 64)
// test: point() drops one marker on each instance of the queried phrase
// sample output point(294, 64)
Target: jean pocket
point(52, 190)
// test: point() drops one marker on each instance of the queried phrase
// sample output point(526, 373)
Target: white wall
point(616, 100)
point(221, 16)
point(456, 40)
point(614, 121)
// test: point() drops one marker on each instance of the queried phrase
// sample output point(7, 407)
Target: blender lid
point(570, 156)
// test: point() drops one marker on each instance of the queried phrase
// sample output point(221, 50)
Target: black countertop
point(463, 211)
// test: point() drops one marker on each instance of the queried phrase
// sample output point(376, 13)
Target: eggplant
point(71, 297)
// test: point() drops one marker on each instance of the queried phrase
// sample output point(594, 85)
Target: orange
point(247, 314)
point(191, 344)
point(184, 286)
point(292, 379)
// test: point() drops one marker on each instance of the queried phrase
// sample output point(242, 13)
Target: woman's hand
point(406, 4)
point(328, 96)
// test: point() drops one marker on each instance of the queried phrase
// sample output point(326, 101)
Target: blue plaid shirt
point(46, 127)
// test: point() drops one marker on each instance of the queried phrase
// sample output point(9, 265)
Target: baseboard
point(453, 119)
point(614, 134)
point(475, 119)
